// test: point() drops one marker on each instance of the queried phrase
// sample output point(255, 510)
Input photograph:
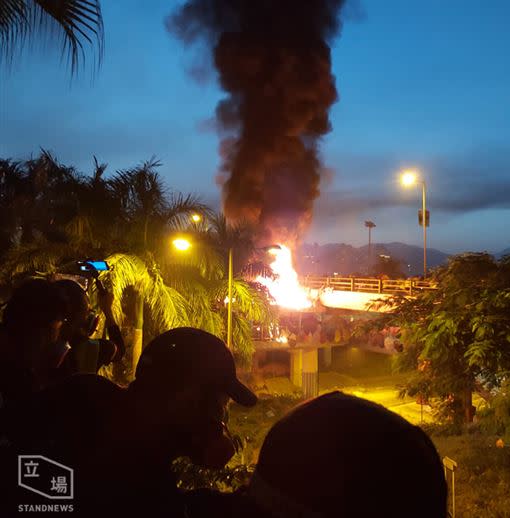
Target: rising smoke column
point(274, 61)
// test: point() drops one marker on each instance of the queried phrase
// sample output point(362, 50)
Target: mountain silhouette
point(343, 259)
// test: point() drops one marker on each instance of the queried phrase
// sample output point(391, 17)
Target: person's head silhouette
point(342, 456)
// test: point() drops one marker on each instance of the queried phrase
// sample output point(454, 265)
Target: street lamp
point(409, 179)
point(196, 218)
point(370, 225)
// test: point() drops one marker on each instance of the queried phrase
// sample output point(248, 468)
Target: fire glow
point(285, 287)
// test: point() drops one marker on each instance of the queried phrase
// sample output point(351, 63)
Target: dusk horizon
point(438, 104)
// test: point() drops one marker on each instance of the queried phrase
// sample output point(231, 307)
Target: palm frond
point(242, 340)
point(99, 170)
point(167, 306)
point(196, 289)
point(181, 207)
point(74, 22)
point(125, 271)
point(39, 256)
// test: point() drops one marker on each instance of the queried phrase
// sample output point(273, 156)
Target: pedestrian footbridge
point(362, 293)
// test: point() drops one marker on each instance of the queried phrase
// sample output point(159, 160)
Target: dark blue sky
point(422, 84)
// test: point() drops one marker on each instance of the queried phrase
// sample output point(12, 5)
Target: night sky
point(422, 84)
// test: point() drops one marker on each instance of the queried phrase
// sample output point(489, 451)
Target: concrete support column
point(296, 367)
point(311, 373)
point(327, 356)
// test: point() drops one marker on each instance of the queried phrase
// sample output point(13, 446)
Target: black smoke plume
point(274, 61)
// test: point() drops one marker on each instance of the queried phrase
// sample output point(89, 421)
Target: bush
point(495, 418)
point(226, 480)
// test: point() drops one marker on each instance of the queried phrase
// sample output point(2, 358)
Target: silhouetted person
point(121, 442)
point(30, 345)
point(87, 355)
point(338, 456)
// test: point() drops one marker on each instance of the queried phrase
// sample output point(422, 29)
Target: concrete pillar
point(327, 356)
point(296, 367)
point(311, 372)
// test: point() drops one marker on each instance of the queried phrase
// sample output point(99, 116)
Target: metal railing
point(369, 284)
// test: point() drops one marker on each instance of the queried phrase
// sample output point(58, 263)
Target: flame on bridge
point(285, 288)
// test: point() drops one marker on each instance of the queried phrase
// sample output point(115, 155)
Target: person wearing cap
point(338, 456)
point(121, 442)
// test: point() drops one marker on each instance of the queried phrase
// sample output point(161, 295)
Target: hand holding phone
point(92, 267)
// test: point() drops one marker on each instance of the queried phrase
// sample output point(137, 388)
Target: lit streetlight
point(409, 179)
point(181, 244)
point(196, 218)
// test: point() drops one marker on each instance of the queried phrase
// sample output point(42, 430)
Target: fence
point(369, 284)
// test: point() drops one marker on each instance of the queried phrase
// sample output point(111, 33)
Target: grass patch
point(482, 479)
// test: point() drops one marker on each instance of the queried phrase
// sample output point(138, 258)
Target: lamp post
point(409, 179)
point(370, 225)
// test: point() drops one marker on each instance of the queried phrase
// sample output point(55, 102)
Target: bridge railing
point(369, 284)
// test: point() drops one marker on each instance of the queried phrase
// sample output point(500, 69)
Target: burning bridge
point(310, 309)
point(369, 285)
point(358, 293)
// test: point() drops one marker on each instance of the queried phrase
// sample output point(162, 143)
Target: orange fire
point(285, 287)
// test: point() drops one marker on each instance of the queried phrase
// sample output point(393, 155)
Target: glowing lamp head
point(181, 244)
point(196, 218)
point(408, 178)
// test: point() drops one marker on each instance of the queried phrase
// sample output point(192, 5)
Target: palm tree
point(98, 213)
point(133, 281)
point(75, 22)
point(57, 216)
point(38, 200)
point(11, 184)
point(150, 213)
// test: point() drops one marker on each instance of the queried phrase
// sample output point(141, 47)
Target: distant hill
point(504, 252)
point(347, 259)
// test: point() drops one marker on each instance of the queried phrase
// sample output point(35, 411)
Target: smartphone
point(93, 266)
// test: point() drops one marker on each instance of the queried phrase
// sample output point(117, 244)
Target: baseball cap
point(340, 455)
point(185, 356)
